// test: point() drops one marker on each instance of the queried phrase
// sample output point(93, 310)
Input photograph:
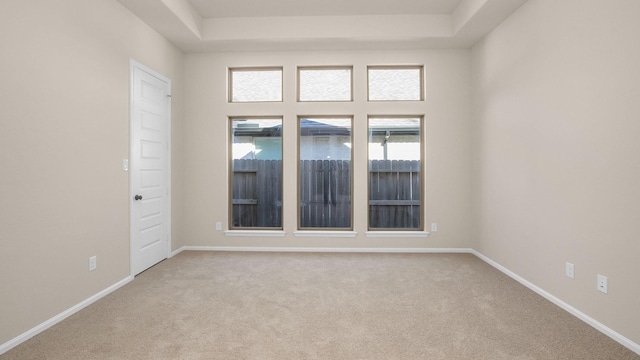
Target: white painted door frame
point(136, 66)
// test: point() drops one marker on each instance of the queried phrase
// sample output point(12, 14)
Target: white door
point(149, 168)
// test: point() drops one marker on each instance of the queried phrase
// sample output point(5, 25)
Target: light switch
point(125, 164)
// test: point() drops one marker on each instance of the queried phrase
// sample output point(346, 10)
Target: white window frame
point(361, 108)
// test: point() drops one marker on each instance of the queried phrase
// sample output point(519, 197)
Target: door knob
point(137, 197)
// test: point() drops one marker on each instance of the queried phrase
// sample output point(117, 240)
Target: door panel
point(149, 166)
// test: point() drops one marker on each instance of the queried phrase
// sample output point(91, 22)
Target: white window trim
point(255, 233)
point(397, 234)
point(289, 103)
point(327, 233)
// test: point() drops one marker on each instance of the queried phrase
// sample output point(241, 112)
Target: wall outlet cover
point(92, 263)
point(569, 270)
point(602, 283)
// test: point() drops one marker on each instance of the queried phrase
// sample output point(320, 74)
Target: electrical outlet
point(92, 263)
point(218, 226)
point(602, 283)
point(569, 270)
point(434, 227)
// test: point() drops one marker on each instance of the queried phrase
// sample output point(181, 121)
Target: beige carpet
point(209, 305)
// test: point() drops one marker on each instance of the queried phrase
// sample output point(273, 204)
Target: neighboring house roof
point(320, 126)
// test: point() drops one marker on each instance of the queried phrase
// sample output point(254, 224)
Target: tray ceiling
point(260, 25)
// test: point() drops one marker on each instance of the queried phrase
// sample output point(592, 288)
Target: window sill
point(333, 234)
point(255, 233)
point(398, 234)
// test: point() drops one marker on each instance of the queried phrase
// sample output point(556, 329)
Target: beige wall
point(447, 114)
point(556, 92)
point(64, 130)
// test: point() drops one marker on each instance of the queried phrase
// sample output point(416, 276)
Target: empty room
point(302, 179)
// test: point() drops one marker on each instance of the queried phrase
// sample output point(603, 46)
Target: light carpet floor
point(214, 305)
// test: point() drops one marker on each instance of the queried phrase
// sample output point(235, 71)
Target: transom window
point(325, 84)
point(391, 83)
point(255, 84)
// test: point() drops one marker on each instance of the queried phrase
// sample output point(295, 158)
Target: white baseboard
point(575, 312)
point(321, 249)
point(63, 315)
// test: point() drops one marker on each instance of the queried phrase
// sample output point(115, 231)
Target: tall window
point(324, 187)
point(255, 84)
point(395, 175)
point(392, 83)
point(256, 173)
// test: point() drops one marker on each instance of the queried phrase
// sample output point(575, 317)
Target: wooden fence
point(256, 193)
point(325, 194)
point(394, 194)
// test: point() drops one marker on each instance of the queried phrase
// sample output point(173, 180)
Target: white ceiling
point(262, 25)
point(256, 8)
